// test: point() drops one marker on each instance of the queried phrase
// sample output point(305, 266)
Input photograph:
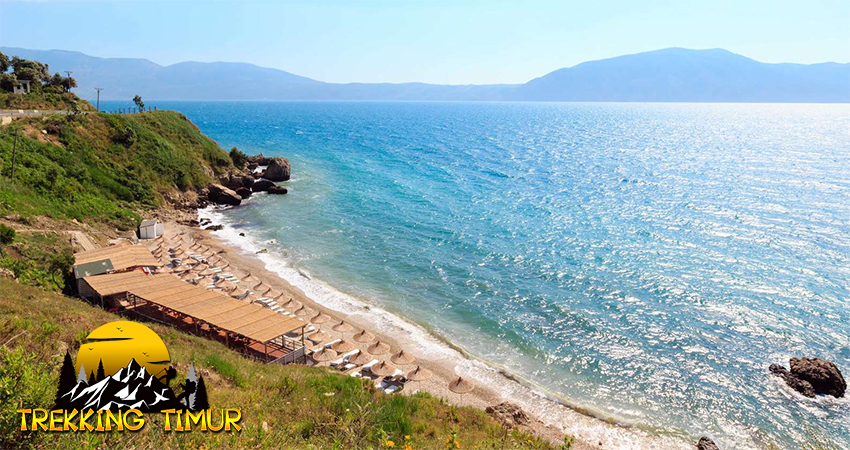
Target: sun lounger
point(367, 367)
point(344, 358)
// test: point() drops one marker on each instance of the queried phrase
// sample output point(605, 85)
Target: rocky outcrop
point(812, 376)
point(243, 192)
point(214, 227)
point(223, 196)
point(277, 190)
point(259, 160)
point(262, 185)
point(278, 169)
point(706, 444)
point(508, 414)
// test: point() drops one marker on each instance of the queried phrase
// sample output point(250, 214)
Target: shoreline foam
point(493, 383)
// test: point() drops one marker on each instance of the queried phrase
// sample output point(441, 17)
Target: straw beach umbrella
point(343, 346)
point(320, 318)
point(318, 336)
point(402, 359)
point(359, 358)
point(303, 312)
point(419, 375)
point(461, 386)
point(378, 348)
point(291, 305)
point(227, 286)
point(325, 354)
point(364, 337)
point(342, 328)
point(383, 369)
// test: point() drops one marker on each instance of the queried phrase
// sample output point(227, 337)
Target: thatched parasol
point(320, 318)
point(382, 369)
point(207, 273)
point(318, 336)
point(402, 359)
point(227, 286)
point(342, 327)
point(461, 386)
point(419, 374)
point(359, 358)
point(292, 305)
point(364, 337)
point(200, 267)
point(324, 354)
point(343, 346)
point(303, 312)
point(378, 348)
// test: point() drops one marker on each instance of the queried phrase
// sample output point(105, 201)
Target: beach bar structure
point(115, 258)
point(250, 329)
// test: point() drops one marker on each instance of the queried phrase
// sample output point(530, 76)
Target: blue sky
point(451, 41)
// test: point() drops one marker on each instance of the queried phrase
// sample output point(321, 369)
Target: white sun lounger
point(368, 365)
point(344, 358)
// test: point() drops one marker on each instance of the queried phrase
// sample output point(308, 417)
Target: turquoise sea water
point(646, 260)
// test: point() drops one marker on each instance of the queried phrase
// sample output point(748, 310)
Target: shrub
point(239, 159)
point(7, 234)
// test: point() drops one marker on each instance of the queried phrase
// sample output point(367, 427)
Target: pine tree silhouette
point(100, 374)
point(67, 381)
point(201, 402)
point(92, 379)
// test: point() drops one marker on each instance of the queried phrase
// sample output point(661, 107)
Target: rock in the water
point(801, 386)
point(248, 181)
point(278, 169)
point(259, 160)
point(508, 414)
point(706, 444)
point(222, 195)
point(214, 227)
point(243, 192)
point(277, 190)
point(824, 376)
point(262, 185)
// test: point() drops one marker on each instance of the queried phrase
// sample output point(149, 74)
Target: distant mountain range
point(668, 75)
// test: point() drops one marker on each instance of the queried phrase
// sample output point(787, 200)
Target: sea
point(644, 263)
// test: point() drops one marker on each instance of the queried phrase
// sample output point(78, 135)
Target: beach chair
point(343, 358)
point(366, 367)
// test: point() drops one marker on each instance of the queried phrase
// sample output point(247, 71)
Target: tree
point(7, 234)
point(67, 381)
point(201, 402)
point(4, 63)
point(100, 374)
point(34, 71)
point(138, 101)
point(92, 379)
point(69, 83)
point(239, 159)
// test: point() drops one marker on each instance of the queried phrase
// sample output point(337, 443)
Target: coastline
point(550, 418)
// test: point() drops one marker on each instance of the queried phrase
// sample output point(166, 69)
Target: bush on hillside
point(7, 234)
point(239, 159)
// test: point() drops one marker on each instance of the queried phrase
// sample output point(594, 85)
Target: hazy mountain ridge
point(667, 75)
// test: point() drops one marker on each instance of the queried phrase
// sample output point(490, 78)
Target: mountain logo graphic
point(125, 366)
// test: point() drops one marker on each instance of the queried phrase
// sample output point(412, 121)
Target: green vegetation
point(39, 259)
point(238, 158)
point(7, 234)
point(47, 91)
point(283, 407)
point(101, 167)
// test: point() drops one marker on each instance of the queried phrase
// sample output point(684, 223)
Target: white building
point(151, 229)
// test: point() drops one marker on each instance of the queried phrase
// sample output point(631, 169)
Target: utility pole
point(14, 153)
point(98, 98)
point(68, 73)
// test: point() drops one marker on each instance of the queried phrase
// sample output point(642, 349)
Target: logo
point(122, 372)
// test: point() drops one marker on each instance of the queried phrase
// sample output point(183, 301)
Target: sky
point(438, 41)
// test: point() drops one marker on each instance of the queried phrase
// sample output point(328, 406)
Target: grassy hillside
point(283, 407)
point(43, 98)
point(101, 167)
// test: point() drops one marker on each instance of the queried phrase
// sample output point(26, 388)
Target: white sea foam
point(419, 341)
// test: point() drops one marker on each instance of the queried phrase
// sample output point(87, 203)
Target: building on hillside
point(112, 259)
point(21, 87)
point(151, 229)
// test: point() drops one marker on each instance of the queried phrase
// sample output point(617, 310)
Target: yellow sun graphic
point(116, 343)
